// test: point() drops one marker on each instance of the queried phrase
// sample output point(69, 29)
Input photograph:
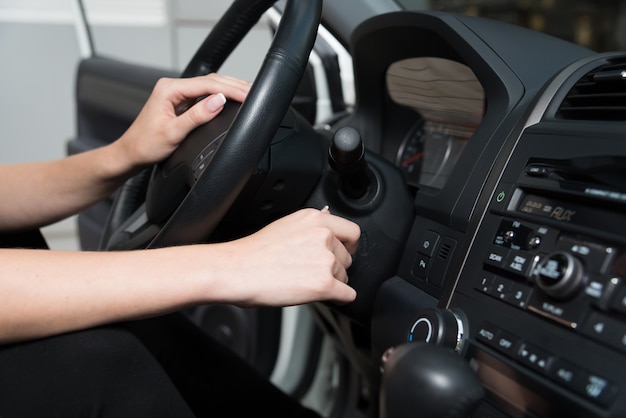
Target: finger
point(200, 113)
point(341, 253)
point(231, 87)
point(341, 274)
point(346, 231)
point(342, 293)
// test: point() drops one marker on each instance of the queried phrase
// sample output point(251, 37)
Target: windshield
point(594, 24)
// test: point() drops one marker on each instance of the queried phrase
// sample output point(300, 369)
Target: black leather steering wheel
point(189, 193)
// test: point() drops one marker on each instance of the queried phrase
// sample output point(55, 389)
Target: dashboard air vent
point(598, 95)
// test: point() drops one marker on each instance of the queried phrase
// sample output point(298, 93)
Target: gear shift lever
point(346, 157)
point(429, 381)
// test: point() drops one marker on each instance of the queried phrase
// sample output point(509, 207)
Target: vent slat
point(598, 95)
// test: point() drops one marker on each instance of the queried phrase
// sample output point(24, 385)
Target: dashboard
point(514, 158)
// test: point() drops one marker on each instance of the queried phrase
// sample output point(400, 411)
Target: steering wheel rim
point(252, 129)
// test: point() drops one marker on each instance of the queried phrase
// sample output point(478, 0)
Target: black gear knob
point(428, 381)
point(346, 156)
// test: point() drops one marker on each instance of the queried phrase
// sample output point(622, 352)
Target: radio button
point(534, 242)
point(496, 256)
point(606, 330)
point(519, 263)
point(537, 171)
point(618, 302)
point(484, 282)
point(519, 295)
point(597, 257)
point(500, 288)
point(569, 314)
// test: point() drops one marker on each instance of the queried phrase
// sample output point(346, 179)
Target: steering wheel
point(188, 194)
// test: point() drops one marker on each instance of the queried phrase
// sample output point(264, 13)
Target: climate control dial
point(443, 327)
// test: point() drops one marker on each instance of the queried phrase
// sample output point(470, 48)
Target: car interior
point(483, 163)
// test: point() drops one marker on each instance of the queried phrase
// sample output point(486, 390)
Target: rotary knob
point(443, 327)
point(560, 275)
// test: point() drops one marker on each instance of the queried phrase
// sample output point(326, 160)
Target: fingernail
point(215, 102)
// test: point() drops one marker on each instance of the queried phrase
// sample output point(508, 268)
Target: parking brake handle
point(346, 157)
point(426, 380)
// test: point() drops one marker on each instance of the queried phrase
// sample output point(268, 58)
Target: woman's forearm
point(64, 291)
point(40, 193)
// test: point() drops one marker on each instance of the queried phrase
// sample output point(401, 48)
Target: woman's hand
point(300, 258)
point(170, 114)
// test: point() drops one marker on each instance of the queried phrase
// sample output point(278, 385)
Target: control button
point(497, 338)
point(576, 379)
point(500, 288)
point(534, 242)
point(568, 314)
point(441, 327)
point(496, 256)
point(566, 373)
point(483, 284)
point(599, 289)
point(487, 333)
point(509, 236)
point(534, 357)
point(506, 343)
point(428, 243)
point(596, 388)
point(421, 266)
point(537, 171)
point(519, 263)
point(606, 330)
point(518, 295)
point(596, 257)
point(422, 330)
point(618, 301)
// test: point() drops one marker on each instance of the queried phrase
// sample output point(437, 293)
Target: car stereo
point(543, 285)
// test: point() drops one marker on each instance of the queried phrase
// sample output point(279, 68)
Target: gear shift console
point(426, 380)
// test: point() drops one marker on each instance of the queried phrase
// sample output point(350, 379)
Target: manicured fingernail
point(216, 102)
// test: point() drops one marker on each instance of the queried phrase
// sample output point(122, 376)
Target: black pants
point(161, 367)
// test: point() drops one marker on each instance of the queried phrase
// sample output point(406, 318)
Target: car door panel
point(109, 95)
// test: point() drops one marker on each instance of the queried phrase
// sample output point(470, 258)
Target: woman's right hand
point(300, 258)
